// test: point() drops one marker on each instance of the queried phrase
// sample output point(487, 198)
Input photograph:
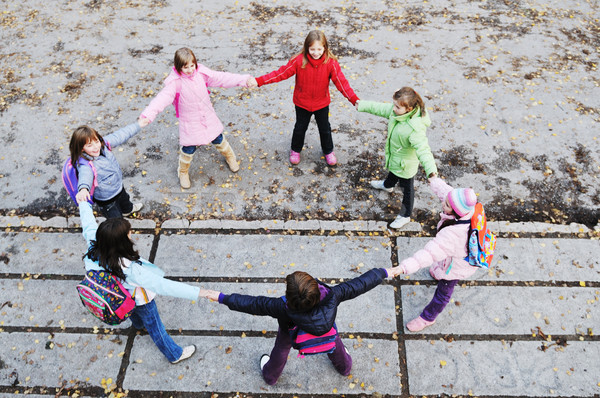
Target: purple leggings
point(440, 299)
point(341, 360)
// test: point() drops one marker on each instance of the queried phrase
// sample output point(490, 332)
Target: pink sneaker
point(294, 157)
point(418, 324)
point(331, 159)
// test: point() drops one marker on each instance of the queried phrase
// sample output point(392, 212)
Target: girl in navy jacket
point(311, 305)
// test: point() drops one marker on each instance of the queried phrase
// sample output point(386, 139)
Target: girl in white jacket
point(446, 252)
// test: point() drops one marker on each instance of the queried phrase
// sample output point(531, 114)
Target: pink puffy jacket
point(447, 251)
point(198, 121)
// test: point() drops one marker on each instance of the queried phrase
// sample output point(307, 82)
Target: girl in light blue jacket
point(110, 248)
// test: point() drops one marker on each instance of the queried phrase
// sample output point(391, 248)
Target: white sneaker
point(378, 184)
point(263, 360)
point(399, 222)
point(188, 351)
point(136, 207)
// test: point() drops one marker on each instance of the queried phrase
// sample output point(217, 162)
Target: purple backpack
point(70, 179)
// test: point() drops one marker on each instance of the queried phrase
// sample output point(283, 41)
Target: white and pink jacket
point(198, 121)
point(447, 251)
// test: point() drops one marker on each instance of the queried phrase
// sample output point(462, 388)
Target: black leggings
point(115, 207)
point(408, 191)
point(302, 120)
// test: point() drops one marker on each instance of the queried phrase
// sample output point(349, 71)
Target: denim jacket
point(144, 274)
point(110, 176)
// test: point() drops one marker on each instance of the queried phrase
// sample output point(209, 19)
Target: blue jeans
point(192, 148)
point(147, 316)
point(341, 360)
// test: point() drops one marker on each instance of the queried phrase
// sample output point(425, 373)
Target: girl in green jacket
point(406, 146)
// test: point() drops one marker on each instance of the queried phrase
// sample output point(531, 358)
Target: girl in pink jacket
point(187, 88)
point(446, 252)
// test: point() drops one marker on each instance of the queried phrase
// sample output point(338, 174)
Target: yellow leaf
point(443, 363)
point(582, 283)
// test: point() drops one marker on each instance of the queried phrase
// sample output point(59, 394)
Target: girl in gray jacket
point(102, 174)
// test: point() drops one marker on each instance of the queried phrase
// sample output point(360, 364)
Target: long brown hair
point(182, 57)
point(81, 136)
point(409, 98)
point(111, 245)
point(316, 35)
point(302, 291)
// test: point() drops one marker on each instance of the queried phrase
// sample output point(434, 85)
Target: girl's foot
point(188, 351)
point(399, 222)
point(378, 184)
point(136, 207)
point(418, 324)
point(294, 157)
point(263, 360)
point(331, 159)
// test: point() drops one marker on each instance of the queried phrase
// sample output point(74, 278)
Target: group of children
point(308, 303)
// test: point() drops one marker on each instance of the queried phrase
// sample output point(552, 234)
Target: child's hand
point(432, 175)
point(356, 104)
point(82, 196)
point(143, 121)
point(394, 272)
point(251, 82)
point(209, 294)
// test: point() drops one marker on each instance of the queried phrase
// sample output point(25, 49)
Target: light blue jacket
point(146, 275)
point(109, 174)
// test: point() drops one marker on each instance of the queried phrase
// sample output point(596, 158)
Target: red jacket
point(312, 82)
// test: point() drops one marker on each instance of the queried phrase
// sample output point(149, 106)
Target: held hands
point(82, 196)
point(251, 82)
point(356, 104)
point(212, 295)
point(143, 121)
point(394, 272)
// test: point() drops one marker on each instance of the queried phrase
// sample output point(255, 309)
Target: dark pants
point(192, 148)
point(303, 119)
point(408, 191)
point(440, 299)
point(147, 316)
point(117, 206)
point(341, 360)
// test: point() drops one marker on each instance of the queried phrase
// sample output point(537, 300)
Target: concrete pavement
point(526, 328)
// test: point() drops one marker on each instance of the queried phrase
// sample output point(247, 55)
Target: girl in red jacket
point(313, 67)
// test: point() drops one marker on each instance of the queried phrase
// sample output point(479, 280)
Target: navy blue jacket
point(317, 321)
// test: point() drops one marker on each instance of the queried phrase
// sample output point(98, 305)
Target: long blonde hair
point(313, 36)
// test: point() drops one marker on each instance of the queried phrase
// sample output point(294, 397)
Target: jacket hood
point(320, 319)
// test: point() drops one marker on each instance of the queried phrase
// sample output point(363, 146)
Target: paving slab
point(217, 367)
point(54, 253)
point(528, 259)
point(497, 368)
point(253, 256)
point(508, 310)
point(43, 359)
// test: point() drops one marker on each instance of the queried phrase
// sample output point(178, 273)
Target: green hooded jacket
point(406, 145)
